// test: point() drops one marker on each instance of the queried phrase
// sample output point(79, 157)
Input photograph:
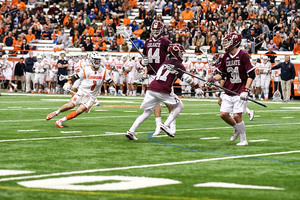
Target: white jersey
point(199, 67)
point(91, 81)
point(118, 64)
point(7, 69)
point(71, 63)
point(188, 65)
point(209, 69)
point(265, 70)
point(132, 72)
point(275, 74)
point(107, 63)
point(79, 66)
point(257, 71)
point(39, 67)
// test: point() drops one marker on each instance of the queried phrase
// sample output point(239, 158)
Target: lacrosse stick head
point(216, 59)
point(277, 96)
point(63, 77)
point(122, 31)
point(4, 58)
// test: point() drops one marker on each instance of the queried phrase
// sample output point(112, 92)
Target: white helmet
point(199, 58)
point(76, 57)
point(119, 57)
point(4, 58)
point(254, 61)
point(95, 60)
point(83, 55)
point(277, 60)
point(39, 58)
point(106, 55)
point(56, 56)
point(265, 59)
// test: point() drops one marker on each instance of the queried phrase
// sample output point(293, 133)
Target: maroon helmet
point(216, 59)
point(157, 28)
point(176, 50)
point(231, 40)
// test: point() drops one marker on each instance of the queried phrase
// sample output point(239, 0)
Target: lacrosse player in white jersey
point(47, 65)
point(265, 71)
point(118, 74)
point(276, 76)
point(7, 70)
point(130, 68)
point(106, 62)
point(256, 84)
point(92, 78)
point(210, 67)
point(71, 63)
point(39, 70)
point(139, 76)
point(53, 73)
point(185, 87)
point(199, 70)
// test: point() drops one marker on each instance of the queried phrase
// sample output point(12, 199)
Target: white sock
point(241, 129)
point(134, 92)
point(173, 126)
point(14, 85)
point(64, 119)
point(259, 95)
point(105, 91)
point(174, 113)
point(130, 93)
point(143, 92)
point(58, 111)
point(158, 123)
point(140, 120)
point(247, 110)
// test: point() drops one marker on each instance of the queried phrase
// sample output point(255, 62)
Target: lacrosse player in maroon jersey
point(238, 73)
point(160, 90)
point(155, 51)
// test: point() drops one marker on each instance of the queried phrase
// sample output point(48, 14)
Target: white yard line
point(234, 185)
point(262, 140)
point(127, 111)
point(287, 117)
point(27, 130)
point(71, 131)
point(113, 133)
point(210, 138)
point(146, 166)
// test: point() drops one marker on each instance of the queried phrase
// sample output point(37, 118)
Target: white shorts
point(265, 83)
point(151, 78)
point(7, 76)
point(130, 79)
point(52, 77)
point(153, 99)
point(47, 76)
point(39, 78)
point(256, 82)
point(233, 104)
point(76, 84)
point(118, 79)
point(199, 82)
point(85, 100)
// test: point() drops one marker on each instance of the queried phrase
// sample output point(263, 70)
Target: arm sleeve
point(276, 66)
point(251, 74)
point(293, 71)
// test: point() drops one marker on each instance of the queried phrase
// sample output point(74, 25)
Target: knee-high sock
point(247, 110)
point(140, 120)
point(70, 116)
point(174, 113)
point(158, 123)
point(241, 129)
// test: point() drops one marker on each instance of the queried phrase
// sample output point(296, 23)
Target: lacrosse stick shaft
point(220, 87)
point(205, 54)
point(212, 91)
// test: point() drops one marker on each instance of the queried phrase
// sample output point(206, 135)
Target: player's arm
point(251, 77)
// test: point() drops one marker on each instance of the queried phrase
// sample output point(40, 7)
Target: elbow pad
point(251, 74)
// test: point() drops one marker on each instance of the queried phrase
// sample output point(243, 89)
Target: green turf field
point(92, 159)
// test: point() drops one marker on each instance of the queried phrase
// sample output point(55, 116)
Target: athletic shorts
point(130, 79)
point(39, 78)
point(265, 83)
point(153, 99)
point(118, 79)
point(85, 100)
point(7, 76)
point(233, 104)
point(256, 82)
point(53, 77)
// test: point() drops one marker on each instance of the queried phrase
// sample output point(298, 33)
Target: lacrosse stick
point(277, 95)
point(122, 31)
point(219, 86)
point(64, 77)
point(211, 91)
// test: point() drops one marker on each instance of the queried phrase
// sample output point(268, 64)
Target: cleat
point(157, 132)
point(40, 92)
point(59, 123)
point(49, 93)
point(251, 115)
point(261, 99)
point(234, 136)
point(130, 135)
point(181, 96)
point(51, 115)
point(266, 99)
point(33, 92)
point(9, 91)
point(96, 104)
point(105, 94)
point(167, 130)
point(54, 92)
point(242, 143)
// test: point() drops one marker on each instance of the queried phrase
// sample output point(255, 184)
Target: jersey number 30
point(235, 75)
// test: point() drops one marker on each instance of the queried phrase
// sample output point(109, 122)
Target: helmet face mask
point(231, 40)
point(265, 59)
point(95, 60)
point(216, 59)
point(177, 51)
point(277, 61)
point(157, 28)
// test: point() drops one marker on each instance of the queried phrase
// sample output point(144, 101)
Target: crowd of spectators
point(92, 25)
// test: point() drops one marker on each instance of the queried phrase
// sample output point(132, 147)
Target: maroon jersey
point(164, 80)
point(236, 68)
point(156, 52)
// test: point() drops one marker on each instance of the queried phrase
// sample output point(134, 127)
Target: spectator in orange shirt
point(21, 5)
point(173, 22)
point(296, 49)
point(139, 31)
point(188, 4)
point(17, 45)
point(30, 37)
point(126, 20)
point(96, 37)
point(101, 46)
point(181, 23)
point(133, 3)
point(213, 6)
point(203, 4)
point(187, 14)
point(90, 30)
point(119, 39)
point(277, 38)
point(56, 33)
point(66, 18)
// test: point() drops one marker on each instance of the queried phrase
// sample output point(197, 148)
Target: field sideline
point(92, 159)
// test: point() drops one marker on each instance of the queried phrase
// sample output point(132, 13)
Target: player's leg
point(73, 102)
point(250, 113)
point(239, 108)
point(105, 88)
point(71, 115)
point(150, 102)
point(157, 114)
point(267, 88)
